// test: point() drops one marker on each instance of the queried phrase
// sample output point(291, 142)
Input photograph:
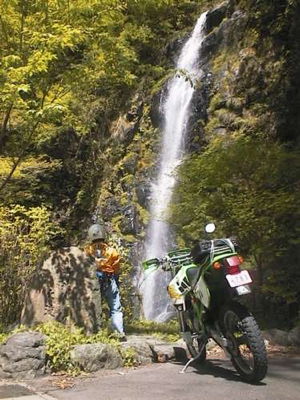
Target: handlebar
point(178, 258)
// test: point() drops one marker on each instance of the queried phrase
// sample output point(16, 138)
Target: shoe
point(123, 338)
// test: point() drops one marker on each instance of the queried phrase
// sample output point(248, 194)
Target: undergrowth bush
point(24, 238)
point(61, 339)
point(168, 330)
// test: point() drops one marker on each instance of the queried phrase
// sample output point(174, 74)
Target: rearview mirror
point(210, 228)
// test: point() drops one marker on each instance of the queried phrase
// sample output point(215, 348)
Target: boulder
point(65, 289)
point(143, 353)
point(22, 356)
point(150, 349)
point(276, 337)
point(94, 356)
point(294, 336)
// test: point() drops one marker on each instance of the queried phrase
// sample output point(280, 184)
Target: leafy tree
point(24, 238)
point(249, 188)
point(71, 65)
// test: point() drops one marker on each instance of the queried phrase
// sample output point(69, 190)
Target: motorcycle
point(206, 283)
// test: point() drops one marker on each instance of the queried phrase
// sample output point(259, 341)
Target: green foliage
point(31, 184)
point(249, 188)
point(54, 56)
point(129, 356)
point(3, 337)
point(67, 71)
point(167, 331)
point(24, 239)
point(60, 341)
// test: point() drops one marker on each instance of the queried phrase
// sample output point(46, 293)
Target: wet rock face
point(111, 208)
point(129, 224)
point(124, 129)
point(23, 356)
point(143, 193)
point(224, 26)
point(156, 114)
point(130, 164)
point(216, 16)
point(173, 48)
point(66, 290)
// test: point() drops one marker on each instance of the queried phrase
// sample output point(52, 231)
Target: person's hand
point(98, 256)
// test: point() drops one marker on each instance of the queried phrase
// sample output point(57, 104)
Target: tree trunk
point(4, 132)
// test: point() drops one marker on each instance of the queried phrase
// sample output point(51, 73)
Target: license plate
point(242, 278)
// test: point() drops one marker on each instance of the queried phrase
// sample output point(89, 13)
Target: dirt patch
point(272, 350)
point(282, 351)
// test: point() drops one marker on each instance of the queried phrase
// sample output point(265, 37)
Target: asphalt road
point(216, 380)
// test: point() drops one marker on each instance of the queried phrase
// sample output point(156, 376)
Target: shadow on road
point(218, 369)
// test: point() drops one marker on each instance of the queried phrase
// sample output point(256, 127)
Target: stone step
point(19, 391)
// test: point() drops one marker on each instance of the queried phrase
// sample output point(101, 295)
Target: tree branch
point(19, 159)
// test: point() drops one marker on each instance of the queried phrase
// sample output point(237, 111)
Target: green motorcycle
point(206, 282)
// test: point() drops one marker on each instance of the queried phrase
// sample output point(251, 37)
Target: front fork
point(202, 332)
point(189, 336)
point(196, 325)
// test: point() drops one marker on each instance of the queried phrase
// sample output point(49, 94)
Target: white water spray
point(156, 303)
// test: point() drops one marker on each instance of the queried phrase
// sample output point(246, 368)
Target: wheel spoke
point(241, 339)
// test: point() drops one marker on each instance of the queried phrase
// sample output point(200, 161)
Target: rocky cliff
point(249, 89)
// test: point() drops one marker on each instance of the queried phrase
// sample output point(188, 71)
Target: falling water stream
point(176, 111)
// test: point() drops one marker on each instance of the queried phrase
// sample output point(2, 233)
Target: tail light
point(233, 264)
point(217, 265)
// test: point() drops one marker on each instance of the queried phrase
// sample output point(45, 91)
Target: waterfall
point(176, 109)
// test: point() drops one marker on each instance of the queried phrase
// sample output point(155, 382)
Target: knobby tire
point(246, 344)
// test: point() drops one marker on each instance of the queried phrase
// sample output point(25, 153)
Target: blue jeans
point(110, 290)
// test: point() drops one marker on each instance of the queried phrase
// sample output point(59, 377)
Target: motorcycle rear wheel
point(245, 343)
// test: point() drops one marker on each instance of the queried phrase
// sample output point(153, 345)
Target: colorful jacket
point(110, 258)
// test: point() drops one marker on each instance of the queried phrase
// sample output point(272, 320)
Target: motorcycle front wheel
point(245, 343)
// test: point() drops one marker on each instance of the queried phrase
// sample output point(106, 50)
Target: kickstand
point(191, 360)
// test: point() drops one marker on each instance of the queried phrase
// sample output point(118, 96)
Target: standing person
point(108, 266)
